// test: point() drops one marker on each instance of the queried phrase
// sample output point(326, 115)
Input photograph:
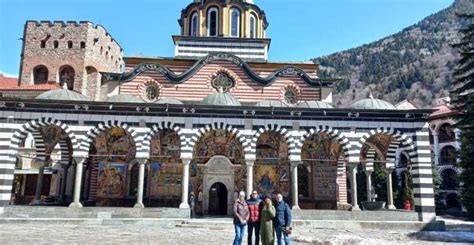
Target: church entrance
point(218, 186)
point(218, 199)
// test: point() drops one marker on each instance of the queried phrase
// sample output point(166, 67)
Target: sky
point(299, 29)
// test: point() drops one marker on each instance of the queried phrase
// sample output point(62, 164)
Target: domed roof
point(170, 101)
point(373, 104)
point(220, 98)
point(124, 98)
point(271, 103)
point(313, 104)
point(62, 94)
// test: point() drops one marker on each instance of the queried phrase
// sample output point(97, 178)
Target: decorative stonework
point(218, 169)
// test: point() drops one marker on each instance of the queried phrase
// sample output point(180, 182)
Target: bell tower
point(232, 26)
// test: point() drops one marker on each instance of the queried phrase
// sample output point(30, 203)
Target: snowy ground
point(459, 232)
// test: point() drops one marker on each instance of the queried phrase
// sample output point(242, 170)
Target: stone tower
point(71, 54)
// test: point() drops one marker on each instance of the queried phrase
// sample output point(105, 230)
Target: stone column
point(185, 184)
point(294, 185)
point(353, 170)
point(39, 184)
point(141, 183)
point(249, 164)
point(77, 183)
point(368, 175)
point(457, 135)
point(436, 148)
point(390, 189)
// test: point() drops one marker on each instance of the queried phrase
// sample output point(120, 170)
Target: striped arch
point(370, 161)
point(441, 169)
point(33, 128)
point(145, 147)
point(399, 138)
point(92, 134)
point(203, 130)
point(285, 133)
point(334, 133)
point(392, 154)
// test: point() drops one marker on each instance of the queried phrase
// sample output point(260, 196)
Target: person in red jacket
point(255, 208)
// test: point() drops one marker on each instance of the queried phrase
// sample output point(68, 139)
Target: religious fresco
point(321, 153)
point(111, 182)
point(271, 149)
point(114, 145)
point(381, 142)
point(165, 169)
point(240, 179)
point(196, 177)
point(218, 142)
point(269, 179)
point(52, 134)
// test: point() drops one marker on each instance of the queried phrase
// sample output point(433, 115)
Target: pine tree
point(463, 98)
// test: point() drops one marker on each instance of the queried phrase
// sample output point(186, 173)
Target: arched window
point(193, 25)
point(234, 22)
point(69, 44)
point(40, 74)
point(43, 44)
point(66, 76)
point(446, 133)
point(56, 44)
point(212, 22)
point(83, 44)
point(448, 155)
point(253, 26)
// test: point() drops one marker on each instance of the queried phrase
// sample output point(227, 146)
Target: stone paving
point(144, 234)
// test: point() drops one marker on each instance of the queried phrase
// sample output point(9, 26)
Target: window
point(234, 22)
point(43, 44)
point(67, 77)
point(40, 74)
point(56, 44)
point(212, 22)
point(448, 155)
point(222, 82)
point(152, 92)
point(83, 44)
point(69, 44)
point(253, 26)
point(291, 95)
point(194, 25)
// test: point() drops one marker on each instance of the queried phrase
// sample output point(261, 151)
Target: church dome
point(62, 94)
point(124, 98)
point(221, 98)
point(373, 104)
point(170, 101)
point(271, 103)
point(313, 104)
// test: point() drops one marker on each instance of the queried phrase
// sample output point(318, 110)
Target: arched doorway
point(218, 199)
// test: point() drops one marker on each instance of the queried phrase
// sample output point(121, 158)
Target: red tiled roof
point(7, 82)
point(442, 110)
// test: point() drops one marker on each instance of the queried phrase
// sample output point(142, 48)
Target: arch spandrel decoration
point(212, 57)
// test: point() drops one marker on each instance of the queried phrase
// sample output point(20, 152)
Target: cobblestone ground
point(144, 234)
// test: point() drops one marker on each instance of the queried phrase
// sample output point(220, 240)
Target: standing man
point(282, 220)
point(192, 205)
point(241, 217)
point(255, 210)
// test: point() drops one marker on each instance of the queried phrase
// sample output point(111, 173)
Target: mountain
point(414, 64)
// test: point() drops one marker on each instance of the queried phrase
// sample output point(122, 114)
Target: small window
point(222, 82)
point(253, 26)
point(291, 95)
point(152, 92)
point(101, 50)
point(106, 54)
point(56, 44)
point(212, 22)
point(194, 25)
point(234, 22)
point(69, 44)
point(83, 45)
point(43, 44)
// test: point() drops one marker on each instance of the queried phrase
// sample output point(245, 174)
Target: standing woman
point(241, 216)
point(267, 231)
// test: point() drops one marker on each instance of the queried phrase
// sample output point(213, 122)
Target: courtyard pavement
point(34, 233)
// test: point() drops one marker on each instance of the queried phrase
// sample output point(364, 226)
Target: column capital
point(250, 162)
point(79, 159)
point(353, 164)
point(186, 161)
point(141, 160)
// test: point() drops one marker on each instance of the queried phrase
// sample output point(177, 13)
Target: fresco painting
point(165, 180)
point(111, 181)
point(219, 142)
point(269, 179)
point(115, 145)
point(271, 149)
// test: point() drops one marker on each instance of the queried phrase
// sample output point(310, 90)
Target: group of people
point(262, 219)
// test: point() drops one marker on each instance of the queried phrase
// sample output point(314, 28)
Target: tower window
point(69, 44)
point(67, 77)
point(56, 44)
point(253, 26)
point(83, 44)
point(212, 22)
point(194, 25)
point(40, 74)
point(234, 22)
point(43, 44)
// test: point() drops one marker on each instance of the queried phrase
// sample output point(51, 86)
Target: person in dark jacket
point(282, 220)
point(255, 209)
point(241, 217)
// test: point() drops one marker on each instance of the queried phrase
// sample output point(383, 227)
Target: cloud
point(6, 74)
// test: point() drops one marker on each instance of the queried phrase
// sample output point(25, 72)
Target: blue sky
point(300, 29)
